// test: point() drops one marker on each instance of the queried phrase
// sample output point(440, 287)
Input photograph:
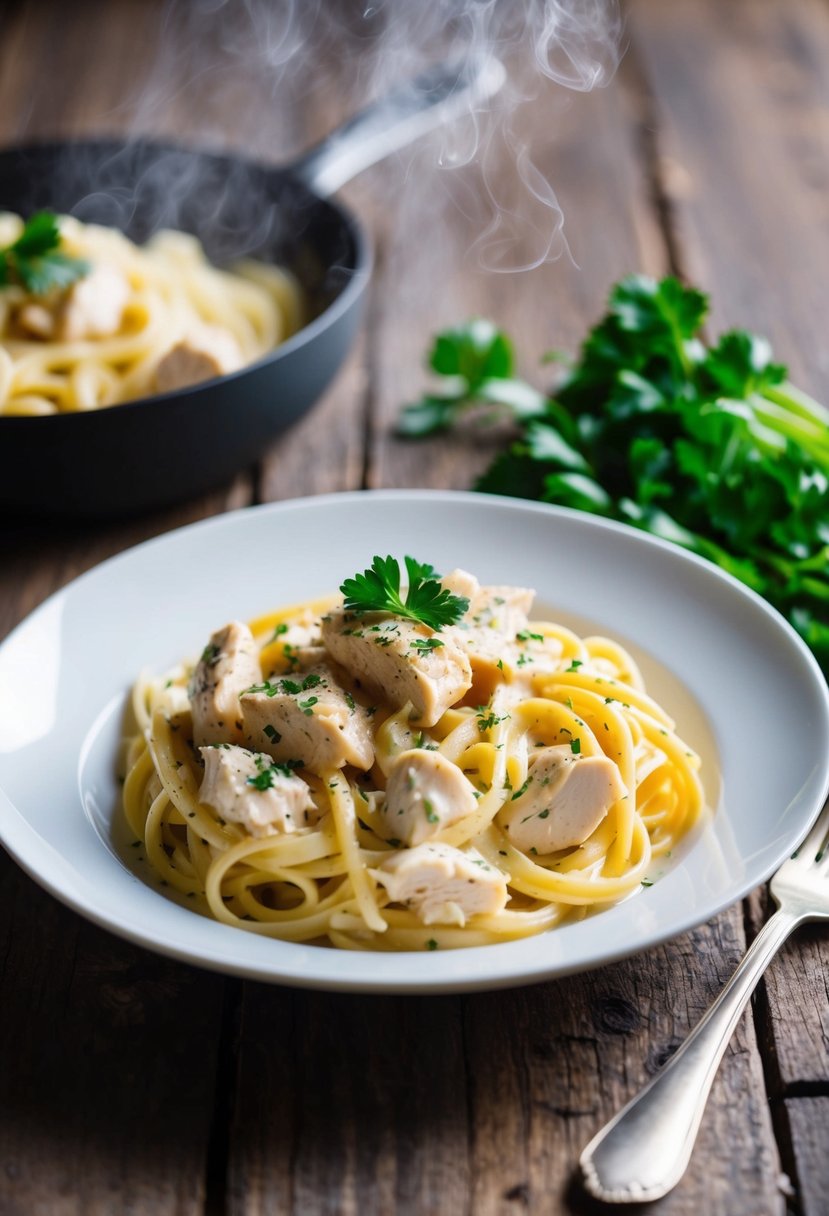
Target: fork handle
point(643, 1152)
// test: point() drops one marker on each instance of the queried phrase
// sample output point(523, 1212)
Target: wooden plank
point(360, 1105)
point(792, 1007)
point(743, 122)
point(108, 1054)
point(554, 1063)
point(324, 452)
point(349, 1106)
point(39, 556)
point(587, 147)
point(749, 207)
point(809, 1166)
point(107, 1067)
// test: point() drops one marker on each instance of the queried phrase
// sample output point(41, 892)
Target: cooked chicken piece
point(494, 613)
point(309, 717)
point(35, 321)
point(300, 644)
point(228, 665)
point(495, 632)
point(461, 582)
point(93, 307)
point(565, 799)
point(424, 793)
point(203, 353)
point(399, 661)
point(248, 788)
point(443, 885)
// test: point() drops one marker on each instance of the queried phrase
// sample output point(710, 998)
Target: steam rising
point(238, 56)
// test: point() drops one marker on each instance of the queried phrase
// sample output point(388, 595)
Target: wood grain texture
point(809, 1123)
point(793, 1008)
point(749, 209)
point(128, 1083)
point(743, 134)
point(108, 1055)
point(588, 148)
point(482, 1104)
point(349, 1105)
point(108, 1067)
point(553, 1064)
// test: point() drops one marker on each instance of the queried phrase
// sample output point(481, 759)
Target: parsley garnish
point(210, 654)
point(431, 944)
point(264, 778)
point(277, 633)
point(307, 706)
point(427, 601)
point(287, 686)
point(525, 636)
point(424, 645)
point(272, 733)
point(312, 681)
point(33, 260)
point(270, 690)
point(575, 747)
point(575, 665)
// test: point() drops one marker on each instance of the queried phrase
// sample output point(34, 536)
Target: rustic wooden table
point(132, 1084)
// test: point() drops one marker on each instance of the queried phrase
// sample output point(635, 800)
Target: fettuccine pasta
point(145, 319)
point(544, 789)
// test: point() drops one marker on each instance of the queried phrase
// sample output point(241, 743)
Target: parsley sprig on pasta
point(34, 260)
point(427, 601)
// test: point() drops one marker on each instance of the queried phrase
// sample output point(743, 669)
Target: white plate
point(64, 674)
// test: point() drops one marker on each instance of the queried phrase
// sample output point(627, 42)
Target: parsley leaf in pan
point(34, 262)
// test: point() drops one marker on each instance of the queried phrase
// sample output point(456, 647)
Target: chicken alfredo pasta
point(405, 773)
point(89, 319)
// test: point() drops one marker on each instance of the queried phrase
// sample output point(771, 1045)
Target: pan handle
point(440, 93)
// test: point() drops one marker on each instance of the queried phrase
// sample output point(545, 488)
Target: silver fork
point(642, 1153)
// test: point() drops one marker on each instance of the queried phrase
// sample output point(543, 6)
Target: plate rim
point(217, 960)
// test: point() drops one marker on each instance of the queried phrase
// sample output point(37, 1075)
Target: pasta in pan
point(362, 780)
point(141, 320)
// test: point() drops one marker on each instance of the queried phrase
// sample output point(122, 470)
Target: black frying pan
point(160, 449)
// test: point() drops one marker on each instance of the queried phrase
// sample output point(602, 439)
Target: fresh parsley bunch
point(34, 261)
point(706, 446)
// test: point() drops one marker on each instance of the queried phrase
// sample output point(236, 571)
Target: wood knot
point(519, 1193)
point(615, 1015)
point(660, 1054)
